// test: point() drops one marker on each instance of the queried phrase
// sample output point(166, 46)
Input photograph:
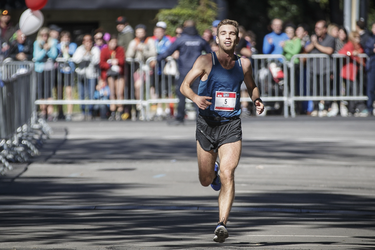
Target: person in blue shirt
point(44, 54)
point(162, 43)
point(219, 132)
point(66, 67)
point(272, 42)
point(190, 46)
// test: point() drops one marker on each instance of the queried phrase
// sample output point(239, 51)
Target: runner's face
point(227, 37)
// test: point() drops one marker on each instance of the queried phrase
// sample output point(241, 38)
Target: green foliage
point(297, 11)
point(203, 12)
point(188, 4)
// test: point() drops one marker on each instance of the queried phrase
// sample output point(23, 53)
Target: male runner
point(219, 130)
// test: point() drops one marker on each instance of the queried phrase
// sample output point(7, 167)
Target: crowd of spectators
point(289, 40)
point(99, 61)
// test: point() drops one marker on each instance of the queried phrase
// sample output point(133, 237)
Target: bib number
point(225, 101)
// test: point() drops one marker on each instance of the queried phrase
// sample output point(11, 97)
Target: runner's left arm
point(252, 88)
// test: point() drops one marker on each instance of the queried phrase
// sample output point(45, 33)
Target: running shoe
point(221, 233)
point(216, 183)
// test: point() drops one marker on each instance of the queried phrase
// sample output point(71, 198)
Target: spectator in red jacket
point(350, 69)
point(112, 61)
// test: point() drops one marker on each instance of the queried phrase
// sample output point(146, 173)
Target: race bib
point(225, 101)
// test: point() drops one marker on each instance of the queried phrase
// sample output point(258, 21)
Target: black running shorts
point(212, 134)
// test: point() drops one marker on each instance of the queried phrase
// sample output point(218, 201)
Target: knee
point(226, 176)
point(205, 180)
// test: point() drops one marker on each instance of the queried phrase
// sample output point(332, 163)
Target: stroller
point(270, 79)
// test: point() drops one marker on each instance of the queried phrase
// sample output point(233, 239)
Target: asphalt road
point(303, 183)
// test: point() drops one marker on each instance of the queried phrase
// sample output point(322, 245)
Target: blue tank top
point(223, 85)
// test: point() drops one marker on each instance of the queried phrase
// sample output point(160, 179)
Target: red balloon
point(35, 4)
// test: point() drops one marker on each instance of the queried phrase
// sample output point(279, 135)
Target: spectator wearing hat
point(6, 28)
point(162, 43)
point(140, 48)
point(6, 31)
point(125, 32)
point(162, 26)
point(54, 32)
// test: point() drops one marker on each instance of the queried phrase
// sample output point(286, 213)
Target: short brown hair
point(65, 33)
point(228, 22)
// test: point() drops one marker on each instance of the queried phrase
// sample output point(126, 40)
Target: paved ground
point(304, 183)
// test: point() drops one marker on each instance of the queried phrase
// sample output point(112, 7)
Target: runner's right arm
point(199, 69)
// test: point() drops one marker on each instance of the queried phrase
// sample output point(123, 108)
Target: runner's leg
point(229, 155)
point(206, 165)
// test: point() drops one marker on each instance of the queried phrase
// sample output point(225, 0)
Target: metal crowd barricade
point(136, 68)
point(271, 76)
point(344, 91)
point(20, 134)
point(77, 76)
point(311, 79)
point(281, 83)
point(159, 81)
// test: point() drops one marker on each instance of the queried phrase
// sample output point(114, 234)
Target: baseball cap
point(4, 12)
point(121, 20)
point(55, 27)
point(140, 26)
point(161, 24)
point(215, 23)
point(361, 23)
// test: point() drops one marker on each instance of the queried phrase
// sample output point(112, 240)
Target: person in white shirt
point(87, 57)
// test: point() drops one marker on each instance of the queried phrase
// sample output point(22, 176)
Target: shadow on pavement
point(74, 150)
point(170, 229)
point(174, 228)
